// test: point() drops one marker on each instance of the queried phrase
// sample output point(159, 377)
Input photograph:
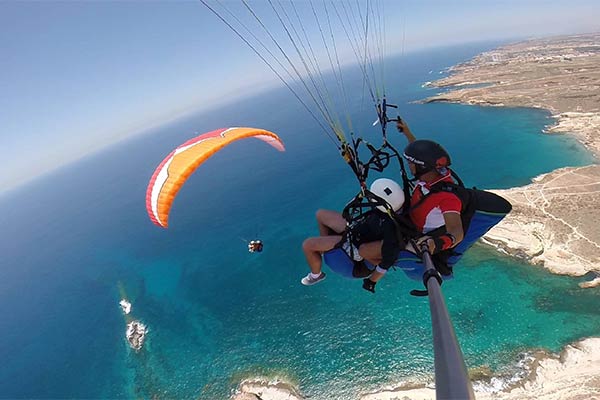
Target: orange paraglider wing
point(177, 167)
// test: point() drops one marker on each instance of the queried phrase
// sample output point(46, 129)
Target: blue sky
point(76, 76)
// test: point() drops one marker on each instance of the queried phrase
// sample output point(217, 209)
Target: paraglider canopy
point(177, 167)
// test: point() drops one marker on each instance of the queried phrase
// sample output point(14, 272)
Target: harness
point(468, 208)
point(465, 195)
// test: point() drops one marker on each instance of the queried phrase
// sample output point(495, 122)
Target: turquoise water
point(218, 314)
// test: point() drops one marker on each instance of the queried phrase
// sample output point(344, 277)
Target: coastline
point(561, 75)
point(574, 373)
point(551, 224)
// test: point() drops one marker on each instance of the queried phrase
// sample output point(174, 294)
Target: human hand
point(405, 130)
point(428, 241)
point(403, 127)
point(369, 285)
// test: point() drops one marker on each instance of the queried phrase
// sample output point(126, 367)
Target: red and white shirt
point(429, 213)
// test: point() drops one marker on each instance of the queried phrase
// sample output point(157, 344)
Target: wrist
point(444, 242)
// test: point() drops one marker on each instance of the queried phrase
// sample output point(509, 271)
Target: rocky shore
point(265, 389)
point(553, 222)
point(574, 374)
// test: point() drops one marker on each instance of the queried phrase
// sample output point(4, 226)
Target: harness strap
point(354, 211)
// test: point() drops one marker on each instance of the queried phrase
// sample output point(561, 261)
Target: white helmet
point(389, 191)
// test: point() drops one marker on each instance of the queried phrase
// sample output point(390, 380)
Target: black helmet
point(427, 155)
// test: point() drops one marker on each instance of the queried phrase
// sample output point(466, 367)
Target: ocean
point(76, 238)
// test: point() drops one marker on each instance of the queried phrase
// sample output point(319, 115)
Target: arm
point(454, 227)
point(403, 128)
point(390, 246)
point(453, 236)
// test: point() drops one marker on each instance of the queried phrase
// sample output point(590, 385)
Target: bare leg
point(372, 253)
point(313, 248)
point(328, 219)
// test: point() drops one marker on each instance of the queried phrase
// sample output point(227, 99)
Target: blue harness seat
point(481, 222)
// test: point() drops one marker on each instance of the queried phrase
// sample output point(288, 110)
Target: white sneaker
point(309, 280)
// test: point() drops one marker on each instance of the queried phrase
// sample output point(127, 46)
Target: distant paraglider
point(177, 167)
point(255, 246)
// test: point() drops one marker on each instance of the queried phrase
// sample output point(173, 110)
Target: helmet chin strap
point(421, 170)
point(445, 172)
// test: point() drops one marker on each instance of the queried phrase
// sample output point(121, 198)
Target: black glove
point(400, 124)
point(369, 285)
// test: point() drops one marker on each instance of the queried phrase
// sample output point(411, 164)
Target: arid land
point(560, 74)
point(554, 223)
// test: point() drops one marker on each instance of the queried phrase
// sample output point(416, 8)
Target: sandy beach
point(554, 220)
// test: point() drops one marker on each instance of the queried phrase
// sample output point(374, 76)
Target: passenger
point(374, 225)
